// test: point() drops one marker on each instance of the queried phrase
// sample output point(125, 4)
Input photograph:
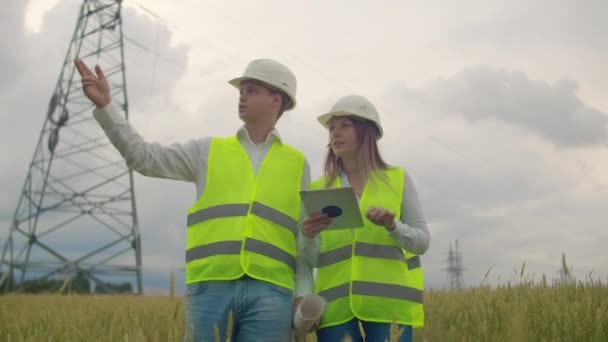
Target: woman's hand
point(382, 217)
point(313, 225)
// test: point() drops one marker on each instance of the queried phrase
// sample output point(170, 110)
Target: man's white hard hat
point(272, 73)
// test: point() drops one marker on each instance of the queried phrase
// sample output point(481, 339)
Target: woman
point(371, 275)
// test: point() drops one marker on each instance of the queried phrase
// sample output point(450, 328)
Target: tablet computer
point(338, 203)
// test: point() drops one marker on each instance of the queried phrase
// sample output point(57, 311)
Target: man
point(243, 238)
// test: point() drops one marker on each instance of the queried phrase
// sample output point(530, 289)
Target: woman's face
point(343, 137)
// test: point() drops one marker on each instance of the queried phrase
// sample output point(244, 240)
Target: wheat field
point(520, 312)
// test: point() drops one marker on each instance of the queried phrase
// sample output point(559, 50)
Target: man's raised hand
point(95, 86)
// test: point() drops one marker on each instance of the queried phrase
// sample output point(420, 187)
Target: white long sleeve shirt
point(411, 232)
point(188, 162)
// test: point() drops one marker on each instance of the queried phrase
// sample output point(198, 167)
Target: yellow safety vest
point(367, 274)
point(246, 224)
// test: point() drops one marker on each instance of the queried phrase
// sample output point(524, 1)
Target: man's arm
point(151, 159)
point(176, 161)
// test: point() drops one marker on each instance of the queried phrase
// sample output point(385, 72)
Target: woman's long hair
point(370, 159)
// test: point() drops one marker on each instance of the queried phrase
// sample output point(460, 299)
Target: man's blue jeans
point(261, 311)
point(374, 332)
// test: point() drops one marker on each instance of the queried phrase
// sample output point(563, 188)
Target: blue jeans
point(375, 332)
point(261, 311)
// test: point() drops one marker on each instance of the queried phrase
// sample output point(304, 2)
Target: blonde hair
point(370, 159)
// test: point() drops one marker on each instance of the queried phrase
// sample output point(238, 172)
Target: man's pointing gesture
point(95, 87)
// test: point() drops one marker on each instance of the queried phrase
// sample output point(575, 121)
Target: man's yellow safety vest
point(246, 224)
point(366, 274)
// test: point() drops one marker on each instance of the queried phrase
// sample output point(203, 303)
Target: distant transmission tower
point(455, 268)
point(77, 212)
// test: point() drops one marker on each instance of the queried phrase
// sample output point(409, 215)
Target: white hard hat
point(353, 105)
point(272, 73)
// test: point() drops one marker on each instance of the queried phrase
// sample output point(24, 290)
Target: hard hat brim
point(325, 118)
point(236, 82)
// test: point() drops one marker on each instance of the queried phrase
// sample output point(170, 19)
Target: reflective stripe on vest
point(232, 210)
point(365, 288)
point(234, 247)
point(368, 250)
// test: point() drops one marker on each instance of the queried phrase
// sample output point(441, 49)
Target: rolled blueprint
point(309, 311)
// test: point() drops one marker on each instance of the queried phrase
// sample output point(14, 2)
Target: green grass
point(522, 312)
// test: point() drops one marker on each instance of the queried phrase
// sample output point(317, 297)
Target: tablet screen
point(338, 203)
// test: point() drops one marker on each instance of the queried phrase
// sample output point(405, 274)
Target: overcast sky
point(497, 109)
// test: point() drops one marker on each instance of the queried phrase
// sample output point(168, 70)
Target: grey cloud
point(537, 24)
point(153, 64)
point(552, 111)
point(493, 182)
point(501, 216)
point(536, 236)
point(12, 40)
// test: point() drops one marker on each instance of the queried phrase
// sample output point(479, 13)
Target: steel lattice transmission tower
point(77, 211)
point(455, 268)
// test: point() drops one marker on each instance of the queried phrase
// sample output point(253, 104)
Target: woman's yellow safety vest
point(366, 274)
point(246, 224)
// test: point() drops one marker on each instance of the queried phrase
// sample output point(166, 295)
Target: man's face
point(257, 102)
